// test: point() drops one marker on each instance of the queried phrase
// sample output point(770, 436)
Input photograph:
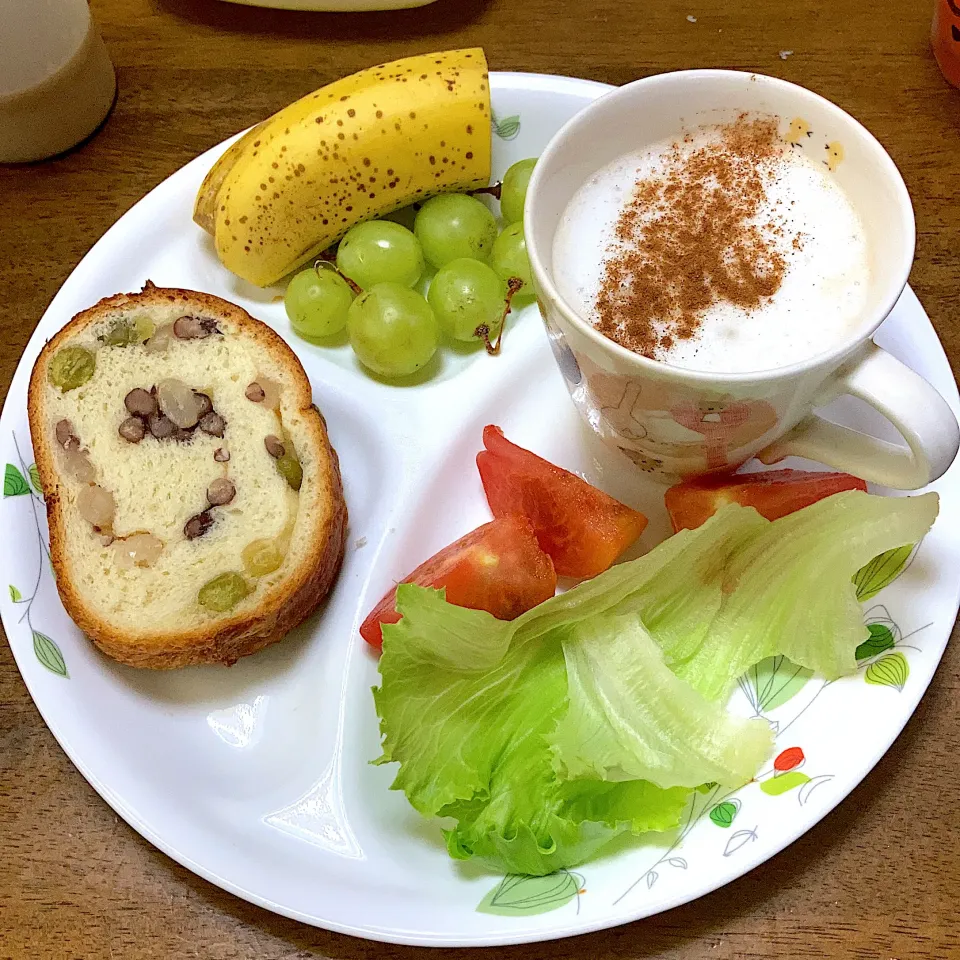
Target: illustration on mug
point(653, 422)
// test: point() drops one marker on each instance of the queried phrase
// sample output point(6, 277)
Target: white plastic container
point(56, 80)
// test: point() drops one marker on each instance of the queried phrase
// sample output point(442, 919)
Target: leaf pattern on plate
point(48, 653)
point(772, 682)
point(521, 896)
point(723, 814)
point(889, 671)
point(507, 128)
point(781, 784)
point(738, 840)
point(13, 483)
point(788, 759)
point(804, 793)
point(45, 649)
point(881, 638)
point(881, 571)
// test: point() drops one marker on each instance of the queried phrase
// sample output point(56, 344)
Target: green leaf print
point(881, 571)
point(786, 781)
point(35, 478)
point(520, 896)
point(48, 653)
point(880, 639)
point(508, 128)
point(13, 483)
point(889, 671)
point(15, 595)
point(723, 814)
point(774, 681)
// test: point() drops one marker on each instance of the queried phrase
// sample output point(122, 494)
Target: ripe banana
point(363, 146)
point(205, 206)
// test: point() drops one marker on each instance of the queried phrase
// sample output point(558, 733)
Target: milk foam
point(823, 293)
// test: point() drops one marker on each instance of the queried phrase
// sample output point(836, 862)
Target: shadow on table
point(440, 17)
point(712, 919)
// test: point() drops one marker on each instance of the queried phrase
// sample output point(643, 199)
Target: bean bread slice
point(194, 502)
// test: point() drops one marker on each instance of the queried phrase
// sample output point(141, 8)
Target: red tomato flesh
point(579, 526)
point(499, 567)
point(773, 494)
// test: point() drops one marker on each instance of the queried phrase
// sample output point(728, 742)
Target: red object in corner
point(945, 38)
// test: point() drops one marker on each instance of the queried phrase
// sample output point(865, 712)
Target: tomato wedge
point(499, 567)
point(773, 494)
point(579, 526)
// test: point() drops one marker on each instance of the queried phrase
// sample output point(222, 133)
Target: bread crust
point(288, 603)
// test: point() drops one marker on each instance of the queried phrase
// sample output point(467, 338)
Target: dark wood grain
point(879, 877)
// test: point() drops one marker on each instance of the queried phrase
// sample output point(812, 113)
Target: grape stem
point(483, 331)
point(327, 262)
point(493, 190)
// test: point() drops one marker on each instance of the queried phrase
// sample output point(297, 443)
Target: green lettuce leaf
point(440, 722)
point(472, 743)
point(594, 713)
point(630, 717)
point(789, 589)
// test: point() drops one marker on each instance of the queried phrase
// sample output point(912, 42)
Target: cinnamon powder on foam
point(691, 238)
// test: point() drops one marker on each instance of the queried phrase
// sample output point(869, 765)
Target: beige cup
point(675, 422)
point(56, 80)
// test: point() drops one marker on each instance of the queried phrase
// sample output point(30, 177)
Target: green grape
point(454, 225)
point(513, 191)
point(261, 557)
point(465, 294)
point(289, 468)
point(509, 258)
point(71, 367)
point(144, 329)
point(223, 592)
point(122, 333)
point(392, 330)
point(317, 301)
point(380, 251)
point(405, 216)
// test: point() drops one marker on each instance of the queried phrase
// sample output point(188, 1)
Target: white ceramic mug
point(677, 422)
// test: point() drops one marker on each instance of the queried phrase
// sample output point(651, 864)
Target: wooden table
point(880, 877)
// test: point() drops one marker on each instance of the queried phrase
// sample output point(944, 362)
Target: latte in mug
point(726, 250)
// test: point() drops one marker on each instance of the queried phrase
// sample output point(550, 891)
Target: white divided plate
point(258, 778)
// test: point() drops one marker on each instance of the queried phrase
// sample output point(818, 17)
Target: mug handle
point(915, 408)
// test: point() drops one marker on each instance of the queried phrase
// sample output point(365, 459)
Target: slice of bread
point(170, 429)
